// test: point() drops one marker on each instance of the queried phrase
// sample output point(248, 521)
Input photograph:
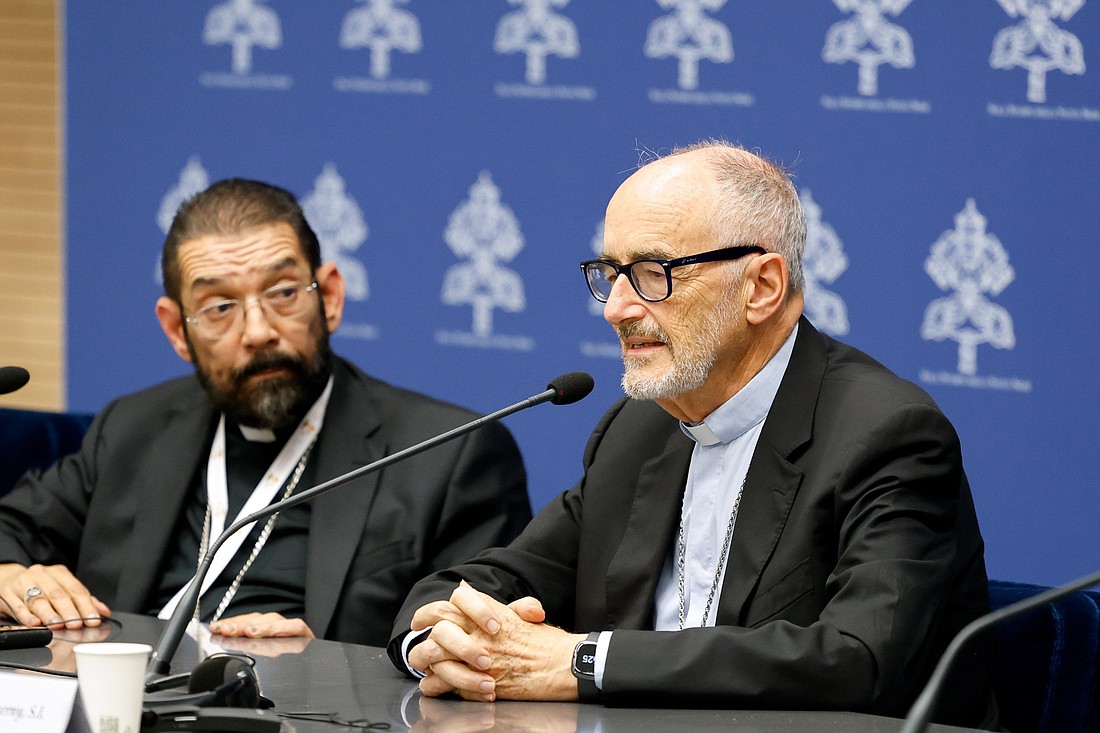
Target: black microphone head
point(12, 378)
point(571, 387)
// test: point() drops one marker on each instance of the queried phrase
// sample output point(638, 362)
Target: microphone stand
point(159, 663)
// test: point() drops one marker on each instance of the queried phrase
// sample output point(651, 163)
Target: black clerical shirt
point(277, 579)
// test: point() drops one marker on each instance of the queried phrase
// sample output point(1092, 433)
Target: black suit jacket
point(108, 511)
point(856, 556)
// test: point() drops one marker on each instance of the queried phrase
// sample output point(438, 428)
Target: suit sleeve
point(486, 504)
point(42, 518)
point(541, 562)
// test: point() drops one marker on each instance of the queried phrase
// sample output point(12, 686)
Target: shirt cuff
point(602, 645)
point(412, 639)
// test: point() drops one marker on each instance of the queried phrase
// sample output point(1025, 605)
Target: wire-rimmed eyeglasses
point(652, 279)
point(284, 300)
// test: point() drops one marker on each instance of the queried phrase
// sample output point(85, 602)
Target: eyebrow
point(279, 266)
point(640, 255)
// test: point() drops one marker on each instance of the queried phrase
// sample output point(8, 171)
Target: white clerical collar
point(701, 433)
point(748, 407)
point(257, 435)
point(217, 488)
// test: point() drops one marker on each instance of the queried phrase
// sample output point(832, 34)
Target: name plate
point(31, 703)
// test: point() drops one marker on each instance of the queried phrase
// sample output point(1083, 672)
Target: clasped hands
point(64, 602)
point(483, 650)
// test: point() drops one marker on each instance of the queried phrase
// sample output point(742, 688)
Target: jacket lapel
point(770, 489)
point(773, 481)
point(178, 449)
point(338, 518)
point(634, 571)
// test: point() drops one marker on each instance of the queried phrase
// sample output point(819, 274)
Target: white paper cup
point(112, 684)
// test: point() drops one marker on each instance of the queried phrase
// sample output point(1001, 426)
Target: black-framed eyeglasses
point(652, 279)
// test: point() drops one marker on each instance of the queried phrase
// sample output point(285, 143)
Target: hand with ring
point(48, 595)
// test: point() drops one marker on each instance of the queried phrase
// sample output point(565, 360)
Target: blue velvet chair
point(1047, 673)
point(31, 439)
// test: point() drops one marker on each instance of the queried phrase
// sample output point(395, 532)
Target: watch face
point(584, 660)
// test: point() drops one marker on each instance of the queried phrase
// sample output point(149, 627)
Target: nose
point(258, 329)
point(623, 305)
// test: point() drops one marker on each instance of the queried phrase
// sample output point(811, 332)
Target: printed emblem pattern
point(823, 262)
point(691, 36)
point(537, 31)
point(869, 40)
point(336, 218)
point(1037, 44)
point(243, 24)
point(485, 232)
point(973, 263)
point(193, 178)
point(382, 27)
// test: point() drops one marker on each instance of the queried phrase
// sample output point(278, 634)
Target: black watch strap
point(584, 668)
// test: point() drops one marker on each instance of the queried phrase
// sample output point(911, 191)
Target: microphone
point(916, 721)
point(569, 388)
point(13, 378)
point(565, 390)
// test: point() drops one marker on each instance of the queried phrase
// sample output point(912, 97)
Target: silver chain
point(260, 541)
point(681, 560)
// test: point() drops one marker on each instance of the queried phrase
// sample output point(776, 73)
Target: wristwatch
point(584, 668)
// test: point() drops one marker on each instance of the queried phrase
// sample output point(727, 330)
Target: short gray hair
point(758, 203)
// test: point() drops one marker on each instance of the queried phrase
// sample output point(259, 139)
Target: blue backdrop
point(456, 158)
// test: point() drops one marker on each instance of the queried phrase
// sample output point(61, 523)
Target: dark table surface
point(358, 683)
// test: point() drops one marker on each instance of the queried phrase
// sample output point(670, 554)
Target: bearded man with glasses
point(769, 520)
point(122, 524)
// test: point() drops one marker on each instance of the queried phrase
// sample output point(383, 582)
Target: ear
point(171, 322)
point(332, 287)
point(767, 281)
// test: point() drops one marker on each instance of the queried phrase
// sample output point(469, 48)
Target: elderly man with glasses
point(770, 519)
point(270, 410)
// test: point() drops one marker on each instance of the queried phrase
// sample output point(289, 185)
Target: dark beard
point(275, 402)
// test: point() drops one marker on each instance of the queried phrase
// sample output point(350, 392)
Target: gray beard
point(685, 375)
point(274, 406)
point(278, 402)
point(691, 363)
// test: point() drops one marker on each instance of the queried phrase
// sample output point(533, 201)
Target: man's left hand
point(261, 626)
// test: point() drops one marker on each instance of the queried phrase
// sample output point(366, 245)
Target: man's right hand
point(63, 602)
point(483, 651)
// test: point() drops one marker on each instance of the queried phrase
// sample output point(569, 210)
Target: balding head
point(742, 198)
point(665, 209)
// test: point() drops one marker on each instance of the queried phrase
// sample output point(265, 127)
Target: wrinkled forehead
point(254, 253)
point(664, 210)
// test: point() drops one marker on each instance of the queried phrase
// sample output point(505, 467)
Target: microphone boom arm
point(159, 663)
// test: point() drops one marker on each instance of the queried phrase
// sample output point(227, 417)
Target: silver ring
point(33, 592)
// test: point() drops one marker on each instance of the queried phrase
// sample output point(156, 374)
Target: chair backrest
point(1047, 673)
point(31, 439)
